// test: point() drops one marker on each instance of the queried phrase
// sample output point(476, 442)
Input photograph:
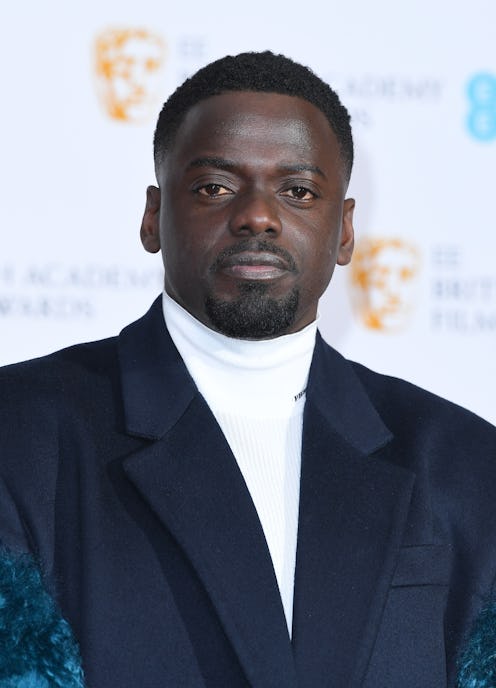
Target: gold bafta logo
point(128, 67)
point(383, 272)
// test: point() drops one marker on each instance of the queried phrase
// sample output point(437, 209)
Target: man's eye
point(300, 193)
point(212, 190)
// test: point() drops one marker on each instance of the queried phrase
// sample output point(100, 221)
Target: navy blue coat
point(115, 474)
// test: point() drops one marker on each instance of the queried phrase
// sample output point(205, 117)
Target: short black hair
point(259, 72)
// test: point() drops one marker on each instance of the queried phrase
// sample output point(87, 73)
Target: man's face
point(250, 215)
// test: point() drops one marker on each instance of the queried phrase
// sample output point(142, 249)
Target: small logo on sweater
point(300, 394)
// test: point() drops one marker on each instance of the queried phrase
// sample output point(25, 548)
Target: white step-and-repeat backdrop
point(82, 84)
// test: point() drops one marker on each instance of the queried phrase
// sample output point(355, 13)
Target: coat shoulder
point(36, 395)
point(49, 408)
point(56, 371)
point(405, 406)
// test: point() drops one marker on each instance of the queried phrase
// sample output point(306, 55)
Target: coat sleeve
point(477, 662)
point(37, 647)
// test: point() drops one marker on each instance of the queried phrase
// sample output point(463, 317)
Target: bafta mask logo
point(383, 272)
point(128, 65)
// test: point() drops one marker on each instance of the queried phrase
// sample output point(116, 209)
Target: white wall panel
point(73, 178)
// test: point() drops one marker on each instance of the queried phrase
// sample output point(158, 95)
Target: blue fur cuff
point(37, 648)
point(477, 665)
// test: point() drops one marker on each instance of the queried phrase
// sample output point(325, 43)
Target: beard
point(254, 314)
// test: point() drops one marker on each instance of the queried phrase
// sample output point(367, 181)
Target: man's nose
point(255, 212)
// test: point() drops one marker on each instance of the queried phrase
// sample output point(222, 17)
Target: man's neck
point(268, 374)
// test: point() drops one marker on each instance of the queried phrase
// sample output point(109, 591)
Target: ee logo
point(481, 120)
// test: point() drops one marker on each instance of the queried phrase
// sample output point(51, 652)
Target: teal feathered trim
point(37, 648)
point(477, 665)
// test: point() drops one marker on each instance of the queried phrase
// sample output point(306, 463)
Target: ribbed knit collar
point(259, 378)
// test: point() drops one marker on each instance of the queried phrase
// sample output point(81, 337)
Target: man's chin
point(253, 315)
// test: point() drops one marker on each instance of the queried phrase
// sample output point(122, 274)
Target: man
point(222, 499)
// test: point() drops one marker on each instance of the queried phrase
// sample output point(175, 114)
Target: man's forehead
point(278, 128)
point(246, 116)
point(250, 103)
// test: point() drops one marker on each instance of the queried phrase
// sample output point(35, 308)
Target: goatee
point(254, 314)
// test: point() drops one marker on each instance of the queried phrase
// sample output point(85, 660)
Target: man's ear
point(347, 242)
point(150, 225)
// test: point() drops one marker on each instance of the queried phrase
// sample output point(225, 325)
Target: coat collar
point(151, 366)
point(352, 512)
point(156, 386)
point(340, 397)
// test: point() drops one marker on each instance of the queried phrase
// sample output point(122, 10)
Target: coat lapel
point(191, 480)
point(352, 514)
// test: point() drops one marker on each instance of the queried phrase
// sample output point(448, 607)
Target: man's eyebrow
point(209, 161)
point(302, 167)
point(225, 164)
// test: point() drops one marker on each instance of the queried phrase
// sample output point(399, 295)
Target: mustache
point(254, 245)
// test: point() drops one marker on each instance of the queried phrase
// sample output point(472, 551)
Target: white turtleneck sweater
point(255, 390)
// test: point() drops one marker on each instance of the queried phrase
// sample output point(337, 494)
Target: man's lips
point(254, 265)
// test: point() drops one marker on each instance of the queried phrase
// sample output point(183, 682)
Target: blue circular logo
point(481, 119)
